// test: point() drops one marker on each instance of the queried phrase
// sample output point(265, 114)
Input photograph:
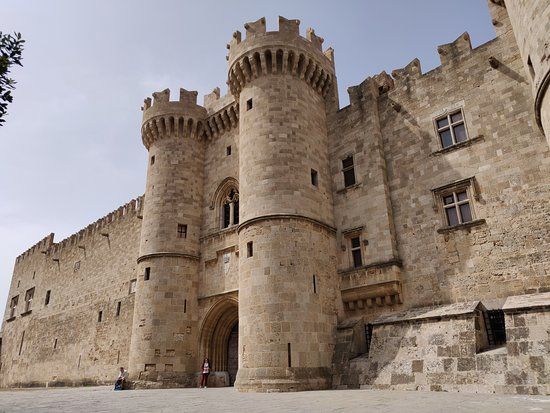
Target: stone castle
point(402, 241)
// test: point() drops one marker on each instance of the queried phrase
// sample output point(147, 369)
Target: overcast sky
point(71, 146)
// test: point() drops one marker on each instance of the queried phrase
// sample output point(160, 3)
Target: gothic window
point(230, 210)
point(451, 129)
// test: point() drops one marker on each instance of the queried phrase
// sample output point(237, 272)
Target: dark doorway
point(233, 354)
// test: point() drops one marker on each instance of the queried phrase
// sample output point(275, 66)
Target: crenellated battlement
point(279, 52)
point(48, 246)
point(181, 118)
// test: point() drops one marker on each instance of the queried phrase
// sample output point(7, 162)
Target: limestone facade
point(370, 245)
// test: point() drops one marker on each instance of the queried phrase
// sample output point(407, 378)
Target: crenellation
point(390, 243)
point(453, 51)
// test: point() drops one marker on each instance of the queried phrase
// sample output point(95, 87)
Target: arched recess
point(219, 201)
point(215, 331)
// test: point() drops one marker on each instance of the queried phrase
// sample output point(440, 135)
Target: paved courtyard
point(104, 399)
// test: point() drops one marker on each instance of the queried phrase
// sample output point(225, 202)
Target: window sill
point(10, 319)
point(465, 226)
point(26, 313)
point(457, 146)
point(347, 188)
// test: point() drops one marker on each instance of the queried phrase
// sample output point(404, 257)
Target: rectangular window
point(495, 326)
point(451, 129)
point(76, 266)
point(182, 231)
point(132, 286)
point(356, 251)
point(118, 305)
point(314, 179)
point(249, 249)
point(184, 306)
point(29, 295)
point(147, 274)
point(348, 170)
point(99, 316)
point(13, 306)
point(314, 284)
point(228, 150)
point(289, 352)
point(249, 104)
point(457, 207)
point(47, 300)
point(153, 160)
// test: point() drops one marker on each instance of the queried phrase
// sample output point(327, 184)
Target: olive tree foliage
point(11, 48)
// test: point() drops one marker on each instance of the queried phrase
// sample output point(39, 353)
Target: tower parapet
point(283, 51)
point(165, 118)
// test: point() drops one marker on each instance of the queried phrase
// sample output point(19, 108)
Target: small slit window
point(153, 160)
point(47, 299)
point(118, 306)
point(147, 274)
point(249, 104)
point(182, 231)
point(314, 178)
point(348, 169)
point(228, 150)
point(132, 288)
point(249, 249)
point(99, 316)
point(451, 129)
point(530, 66)
point(356, 255)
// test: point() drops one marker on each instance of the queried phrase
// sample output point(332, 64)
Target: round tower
point(287, 272)
point(531, 25)
point(165, 323)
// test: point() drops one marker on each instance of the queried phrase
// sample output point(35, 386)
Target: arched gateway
point(219, 340)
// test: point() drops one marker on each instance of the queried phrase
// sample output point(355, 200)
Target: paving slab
point(104, 399)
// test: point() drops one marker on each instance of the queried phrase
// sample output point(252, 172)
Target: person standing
point(205, 372)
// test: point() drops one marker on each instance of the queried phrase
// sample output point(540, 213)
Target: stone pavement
point(227, 400)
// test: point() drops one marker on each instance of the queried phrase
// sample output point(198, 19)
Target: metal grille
point(496, 329)
point(368, 335)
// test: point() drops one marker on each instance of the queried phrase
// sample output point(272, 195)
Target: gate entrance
point(219, 341)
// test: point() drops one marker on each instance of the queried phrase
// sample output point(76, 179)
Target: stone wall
point(445, 349)
point(63, 343)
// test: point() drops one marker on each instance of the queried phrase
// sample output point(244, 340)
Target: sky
point(71, 145)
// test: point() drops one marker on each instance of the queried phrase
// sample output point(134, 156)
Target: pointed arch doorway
point(219, 338)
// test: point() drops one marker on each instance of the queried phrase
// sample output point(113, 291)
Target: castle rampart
point(400, 242)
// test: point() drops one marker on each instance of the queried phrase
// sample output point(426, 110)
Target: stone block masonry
point(400, 242)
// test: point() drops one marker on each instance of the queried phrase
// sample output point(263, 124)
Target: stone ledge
point(423, 313)
point(10, 319)
point(348, 188)
point(457, 146)
point(464, 226)
point(381, 264)
point(517, 302)
point(373, 294)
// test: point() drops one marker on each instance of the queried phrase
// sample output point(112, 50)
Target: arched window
point(230, 210)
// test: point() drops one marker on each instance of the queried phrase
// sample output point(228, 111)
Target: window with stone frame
point(13, 305)
point(456, 203)
point(348, 170)
point(451, 129)
point(230, 209)
point(132, 288)
point(29, 296)
point(356, 253)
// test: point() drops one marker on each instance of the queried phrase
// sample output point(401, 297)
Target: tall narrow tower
point(287, 274)
point(165, 324)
